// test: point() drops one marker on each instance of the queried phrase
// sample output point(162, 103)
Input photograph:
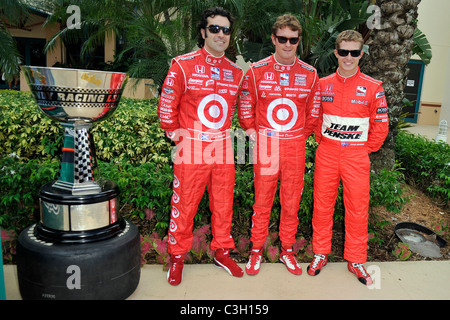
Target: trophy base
point(66, 212)
point(106, 269)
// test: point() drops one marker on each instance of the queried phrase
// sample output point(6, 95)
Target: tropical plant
point(402, 251)
point(12, 13)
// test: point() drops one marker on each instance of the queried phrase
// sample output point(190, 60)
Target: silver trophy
point(76, 98)
point(80, 248)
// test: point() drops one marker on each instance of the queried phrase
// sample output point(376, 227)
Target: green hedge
point(131, 134)
point(427, 164)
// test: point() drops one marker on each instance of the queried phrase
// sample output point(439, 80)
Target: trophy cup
point(79, 225)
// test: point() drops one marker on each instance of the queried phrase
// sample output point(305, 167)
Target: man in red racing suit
point(353, 123)
point(279, 106)
point(197, 103)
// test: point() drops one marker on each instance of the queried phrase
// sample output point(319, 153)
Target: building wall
point(433, 19)
point(36, 30)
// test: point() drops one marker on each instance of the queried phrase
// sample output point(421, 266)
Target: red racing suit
point(197, 103)
point(282, 104)
point(353, 123)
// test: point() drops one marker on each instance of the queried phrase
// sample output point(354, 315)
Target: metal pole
point(2, 278)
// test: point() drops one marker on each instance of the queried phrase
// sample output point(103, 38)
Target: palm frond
point(422, 47)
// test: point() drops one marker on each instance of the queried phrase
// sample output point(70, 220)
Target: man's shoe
point(175, 273)
point(360, 272)
point(223, 260)
point(288, 258)
point(254, 262)
point(317, 264)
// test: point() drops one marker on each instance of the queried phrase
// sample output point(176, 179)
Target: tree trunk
point(390, 51)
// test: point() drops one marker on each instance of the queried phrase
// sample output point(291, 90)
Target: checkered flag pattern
point(83, 164)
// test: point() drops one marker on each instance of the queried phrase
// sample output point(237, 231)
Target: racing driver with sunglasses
point(196, 106)
point(353, 123)
point(279, 106)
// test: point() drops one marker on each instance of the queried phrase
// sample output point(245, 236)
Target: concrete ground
point(417, 280)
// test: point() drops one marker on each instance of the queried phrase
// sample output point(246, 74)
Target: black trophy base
point(106, 269)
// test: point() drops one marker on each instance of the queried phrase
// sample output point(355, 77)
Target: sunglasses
point(344, 53)
point(216, 29)
point(284, 39)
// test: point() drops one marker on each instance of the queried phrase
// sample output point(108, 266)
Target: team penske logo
point(282, 114)
point(213, 111)
point(343, 132)
point(345, 129)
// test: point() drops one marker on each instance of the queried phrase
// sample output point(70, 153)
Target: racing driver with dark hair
point(197, 103)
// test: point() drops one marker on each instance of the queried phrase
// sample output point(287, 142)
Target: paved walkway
point(419, 280)
point(427, 131)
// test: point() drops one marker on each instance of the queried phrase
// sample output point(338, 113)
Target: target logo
point(213, 111)
point(282, 114)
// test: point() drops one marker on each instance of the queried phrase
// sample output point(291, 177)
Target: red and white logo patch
point(282, 114)
point(213, 111)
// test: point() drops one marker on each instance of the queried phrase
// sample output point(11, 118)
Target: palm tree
point(391, 48)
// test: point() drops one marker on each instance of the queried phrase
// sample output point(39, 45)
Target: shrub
point(386, 189)
point(426, 164)
point(142, 186)
point(402, 251)
point(20, 183)
point(24, 130)
point(132, 133)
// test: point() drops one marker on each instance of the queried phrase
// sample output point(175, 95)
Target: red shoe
point(317, 264)
point(223, 260)
point(360, 272)
point(288, 258)
point(175, 273)
point(254, 262)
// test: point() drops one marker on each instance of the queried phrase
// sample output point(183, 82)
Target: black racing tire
point(100, 270)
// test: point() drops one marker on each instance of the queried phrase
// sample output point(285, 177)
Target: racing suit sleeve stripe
point(379, 121)
point(172, 90)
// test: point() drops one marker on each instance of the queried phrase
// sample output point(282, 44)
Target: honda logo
point(269, 76)
point(329, 88)
point(199, 69)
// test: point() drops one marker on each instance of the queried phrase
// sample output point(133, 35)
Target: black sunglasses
point(284, 39)
point(344, 53)
point(216, 29)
